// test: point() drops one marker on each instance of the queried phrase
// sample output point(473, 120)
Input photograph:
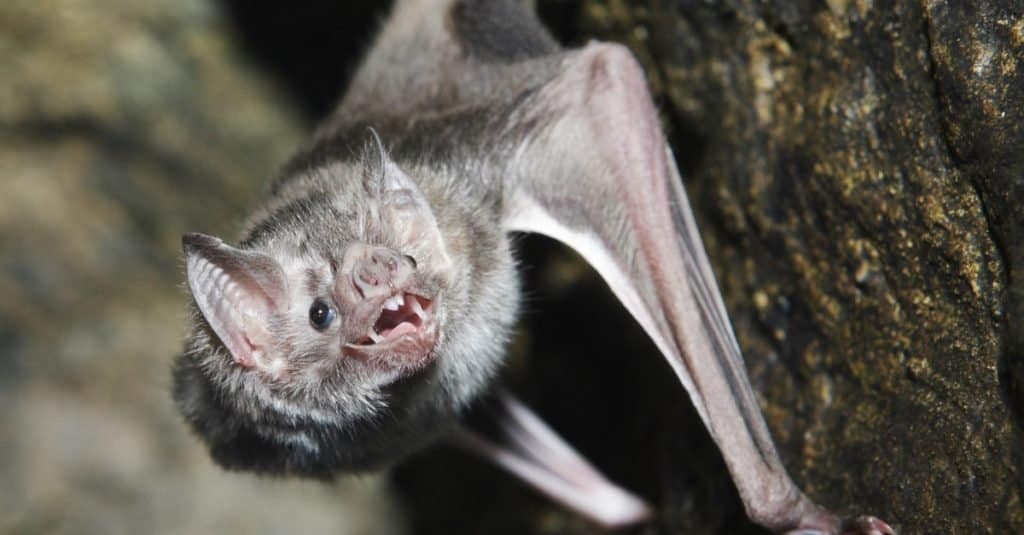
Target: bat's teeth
point(417, 308)
point(394, 303)
point(375, 337)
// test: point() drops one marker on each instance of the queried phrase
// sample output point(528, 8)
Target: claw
point(861, 525)
point(865, 525)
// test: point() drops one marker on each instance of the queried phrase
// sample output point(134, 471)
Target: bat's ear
point(408, 215)
point(237, 291)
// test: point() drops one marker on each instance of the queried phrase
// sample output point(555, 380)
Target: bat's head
point(346, 329)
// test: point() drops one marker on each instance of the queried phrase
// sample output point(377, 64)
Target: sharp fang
point(418, 309)
point(394, 303)
point(375, 337)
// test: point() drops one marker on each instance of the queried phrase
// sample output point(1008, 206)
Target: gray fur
point(327, 414)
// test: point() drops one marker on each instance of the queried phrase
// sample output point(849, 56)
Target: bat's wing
point(595, 173)
point(592, 169)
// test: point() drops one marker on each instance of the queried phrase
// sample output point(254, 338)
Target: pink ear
point(237, 291)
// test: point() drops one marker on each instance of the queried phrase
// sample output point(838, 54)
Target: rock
point(859, 173)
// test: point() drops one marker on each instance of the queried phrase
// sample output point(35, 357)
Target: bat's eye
point(321, 315)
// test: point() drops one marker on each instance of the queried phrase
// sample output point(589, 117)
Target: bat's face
point(342, 313)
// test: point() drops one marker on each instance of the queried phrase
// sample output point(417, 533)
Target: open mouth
point(402, 314)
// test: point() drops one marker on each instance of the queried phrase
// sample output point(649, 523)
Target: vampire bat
point(371, 298)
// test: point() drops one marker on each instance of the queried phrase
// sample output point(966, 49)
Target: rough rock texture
point(124, 124)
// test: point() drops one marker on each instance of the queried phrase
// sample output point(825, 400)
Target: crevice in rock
point(1010, 363)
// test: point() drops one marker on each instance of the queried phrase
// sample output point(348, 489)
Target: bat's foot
point(829, 525)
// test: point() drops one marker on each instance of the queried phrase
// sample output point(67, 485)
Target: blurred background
point(124, 124)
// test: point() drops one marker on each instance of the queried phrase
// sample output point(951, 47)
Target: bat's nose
point(376, 271)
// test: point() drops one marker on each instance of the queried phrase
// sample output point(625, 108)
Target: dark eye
point(321, 315)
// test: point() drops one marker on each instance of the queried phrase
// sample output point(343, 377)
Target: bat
point(370, 301)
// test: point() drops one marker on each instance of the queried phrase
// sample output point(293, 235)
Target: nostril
point(369, 278)
point(411, 260)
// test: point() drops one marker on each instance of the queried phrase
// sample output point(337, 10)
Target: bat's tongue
point(402, 314)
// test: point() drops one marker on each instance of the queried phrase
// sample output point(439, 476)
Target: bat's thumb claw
point(827, 524)
point(865, 525)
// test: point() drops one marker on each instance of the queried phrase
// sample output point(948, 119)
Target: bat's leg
point(518, 441)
